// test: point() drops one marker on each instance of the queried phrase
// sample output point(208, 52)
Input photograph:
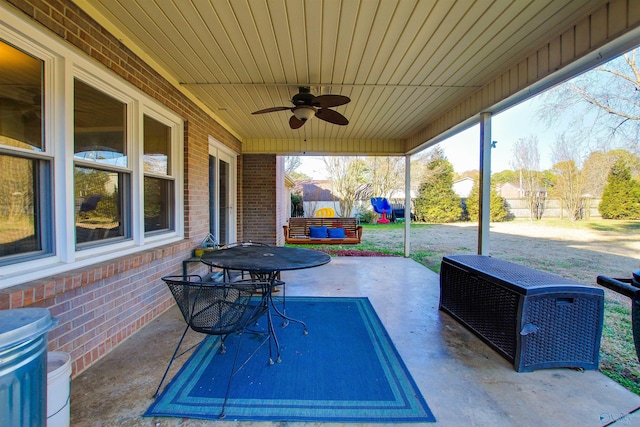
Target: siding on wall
point(99, 307)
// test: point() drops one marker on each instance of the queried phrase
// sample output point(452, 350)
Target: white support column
point(407, 205)
point(484, 184)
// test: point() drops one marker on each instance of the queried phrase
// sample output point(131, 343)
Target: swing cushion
point(336, 233)
point(318, 232)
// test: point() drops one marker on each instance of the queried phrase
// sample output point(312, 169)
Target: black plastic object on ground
point(631, 288)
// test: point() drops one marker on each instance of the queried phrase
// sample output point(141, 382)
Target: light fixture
point(304, 112)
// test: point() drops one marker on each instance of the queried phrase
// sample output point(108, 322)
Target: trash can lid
point(23, 324)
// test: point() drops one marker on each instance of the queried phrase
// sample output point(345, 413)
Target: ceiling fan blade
point(295, 122)
point(271, 110)
point(332, 117)
point(326, 101)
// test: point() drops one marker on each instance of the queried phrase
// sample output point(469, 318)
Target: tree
point(497, 205)
point(568, 188)
point(621, 196)
point(347, 174)
point(291, 163)
point(437, 202)
point(385, 174)
point(526, 161)
point(505, 177)
point(608, 96)
point(598, 165)
point(570, 185)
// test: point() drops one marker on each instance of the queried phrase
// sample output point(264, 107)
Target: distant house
point(463, 186)
point(316, 194)
point(514, 191)
point(316, 191)
point(510, 191)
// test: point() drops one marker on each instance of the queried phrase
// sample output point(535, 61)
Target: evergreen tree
point(498, 205)
point(437, 202)
point(621, 195)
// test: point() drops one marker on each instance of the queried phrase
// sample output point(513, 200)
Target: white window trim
point(63, 65)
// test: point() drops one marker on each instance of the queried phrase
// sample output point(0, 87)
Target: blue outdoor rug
point(346, 370)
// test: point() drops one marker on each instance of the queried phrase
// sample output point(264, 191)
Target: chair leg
point(235, 370)
point(171, 361)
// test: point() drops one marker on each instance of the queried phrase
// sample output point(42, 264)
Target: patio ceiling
point(404, 64)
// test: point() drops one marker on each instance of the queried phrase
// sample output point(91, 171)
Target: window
point(25, 173)
point(90, 168)
point(158, 182)
point(101, 177)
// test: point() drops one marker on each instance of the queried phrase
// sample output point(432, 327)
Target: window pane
point(99, 126)
point(98, 205)
point(158, 204)
point(20, 99)
point(19, 230)
point(157, 142)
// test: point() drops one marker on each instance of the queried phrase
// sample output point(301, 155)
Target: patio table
point(266, 262)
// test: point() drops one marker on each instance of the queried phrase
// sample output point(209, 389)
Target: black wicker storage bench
point(534, 319)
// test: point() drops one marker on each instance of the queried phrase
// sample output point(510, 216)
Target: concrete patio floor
point(464, 381)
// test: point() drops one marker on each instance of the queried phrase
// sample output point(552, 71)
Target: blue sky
point(463, 151)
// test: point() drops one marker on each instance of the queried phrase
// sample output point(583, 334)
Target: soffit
point(403, 63)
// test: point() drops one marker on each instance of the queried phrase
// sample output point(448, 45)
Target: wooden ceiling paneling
point(403, 63)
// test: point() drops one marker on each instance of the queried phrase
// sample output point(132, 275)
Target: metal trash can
point(23, 366)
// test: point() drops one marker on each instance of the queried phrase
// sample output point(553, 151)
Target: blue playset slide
point(381, 205)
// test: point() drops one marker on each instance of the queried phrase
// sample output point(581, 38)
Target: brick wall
point(99, 307)
point(259, 198)
point(282, 204)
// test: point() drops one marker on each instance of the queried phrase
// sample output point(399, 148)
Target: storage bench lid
point(518, 278)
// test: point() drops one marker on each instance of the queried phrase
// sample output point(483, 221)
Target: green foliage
point(505, 177)
point(498, 210)
point(621, 195)
point(366, 217)
point(437, 202)
point(297, 206)
point(296, 198)
point(299, 176)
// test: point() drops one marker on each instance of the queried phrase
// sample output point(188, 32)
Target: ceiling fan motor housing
point(306, 106)
point(303, 97)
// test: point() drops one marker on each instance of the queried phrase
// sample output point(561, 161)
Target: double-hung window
point(159, 188)
point(102, 176)
point(25, 163)
point(90, 167)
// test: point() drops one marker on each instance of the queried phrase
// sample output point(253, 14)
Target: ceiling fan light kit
point(304, 112)
point(307, 105)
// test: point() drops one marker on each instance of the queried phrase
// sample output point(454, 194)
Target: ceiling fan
point(307, 105)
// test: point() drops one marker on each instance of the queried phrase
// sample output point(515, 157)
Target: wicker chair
point(220, 308)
